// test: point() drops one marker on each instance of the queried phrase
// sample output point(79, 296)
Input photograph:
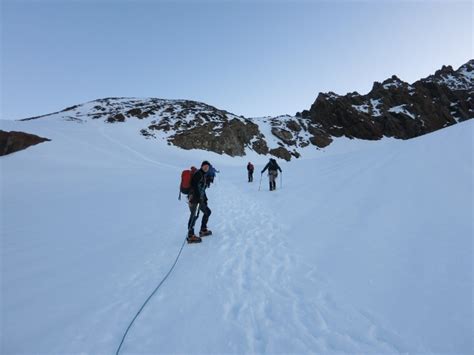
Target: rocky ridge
point(397, 109)
point(392, 108)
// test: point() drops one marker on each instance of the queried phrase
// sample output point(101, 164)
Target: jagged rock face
point(397, 109)
point(11, 142)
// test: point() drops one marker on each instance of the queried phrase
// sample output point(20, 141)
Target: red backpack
point(186, 176)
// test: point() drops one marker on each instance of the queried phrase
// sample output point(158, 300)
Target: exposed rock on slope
point(397, 109)
point(11, 142)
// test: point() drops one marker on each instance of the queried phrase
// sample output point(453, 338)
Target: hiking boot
point(205, 233)
point(193, 239)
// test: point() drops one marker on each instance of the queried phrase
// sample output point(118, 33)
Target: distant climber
point(273, 168)
point(250, 169)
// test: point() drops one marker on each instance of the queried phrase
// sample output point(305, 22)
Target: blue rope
point(149, 297)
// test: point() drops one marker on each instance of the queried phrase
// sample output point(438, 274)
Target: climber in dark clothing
point(198, 199)
point(273, 168)
point(250, 169)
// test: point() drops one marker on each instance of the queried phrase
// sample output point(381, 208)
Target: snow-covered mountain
point(392, 108)
point(364, 248)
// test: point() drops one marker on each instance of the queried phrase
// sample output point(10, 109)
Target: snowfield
point(365, 248)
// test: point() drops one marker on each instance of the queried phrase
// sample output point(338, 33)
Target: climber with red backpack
point(193, 183)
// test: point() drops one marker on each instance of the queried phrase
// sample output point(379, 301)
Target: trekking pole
point(260, 184)
point(281, 180)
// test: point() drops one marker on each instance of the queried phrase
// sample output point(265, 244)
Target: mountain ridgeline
point(392, 108)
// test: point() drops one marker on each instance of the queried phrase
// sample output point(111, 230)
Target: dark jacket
point(250, 168)
point(198, 187)
point(272, 165)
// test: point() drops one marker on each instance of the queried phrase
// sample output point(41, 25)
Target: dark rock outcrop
point(227, 137)
point(397, 109)
point(281, 153)
point(116, 118)
point(13, 141)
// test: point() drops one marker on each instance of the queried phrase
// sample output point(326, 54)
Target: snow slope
point(367, 250)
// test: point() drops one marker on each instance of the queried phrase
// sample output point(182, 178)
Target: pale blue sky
point(252, 58)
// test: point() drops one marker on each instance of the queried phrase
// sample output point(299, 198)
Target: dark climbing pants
point(272, 175)
point(250, 176)
point(193, 217)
